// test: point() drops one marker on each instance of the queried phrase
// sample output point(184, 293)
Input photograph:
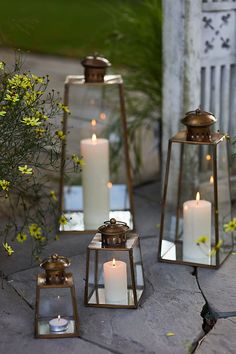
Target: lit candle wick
point(197, 197)
point(109, 185)
point(211, 179)
point(58, 317)
point(94, 139)
point(93, 122)
point(113, 262)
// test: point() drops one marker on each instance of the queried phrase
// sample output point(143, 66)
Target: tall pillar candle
point(197, 223)
point(95, 176)
point(115, 282)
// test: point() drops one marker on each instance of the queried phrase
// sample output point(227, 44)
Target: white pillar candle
point(95, 176)
point(115, 282)
point(197, 223)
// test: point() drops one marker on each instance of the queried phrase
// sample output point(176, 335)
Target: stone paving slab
point(16, 331)
point(221, 339)
point(172, 303)
point(219, 288)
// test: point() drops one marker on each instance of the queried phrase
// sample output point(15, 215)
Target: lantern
point(96, 134)
point(114, 271)
point(196, 199)
point(56, 308)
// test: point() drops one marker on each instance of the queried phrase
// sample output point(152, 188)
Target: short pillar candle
point(115, 282)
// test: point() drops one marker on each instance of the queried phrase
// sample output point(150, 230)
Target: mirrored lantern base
point(98, 299)
point(43, 329)
point(173, 252)
point(73, 207)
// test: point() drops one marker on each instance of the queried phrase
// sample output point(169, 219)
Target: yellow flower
point(30, 97)
point(216, 248)
point(21, 237)
point(64, 108)
point(31, 121)
point(11, 96)
point(8, 248)
point(2, 113)
point(60, 134)
point(4, 184)
point(77, 160)
point(38, 79)
point(25, 170)
point(170, 334)
point(35, 231)
point(2, 65)
point(201, 239)
point(53, 196)
point(230, 226)
point(18, 80)
point(63, 220)
point(39, 132)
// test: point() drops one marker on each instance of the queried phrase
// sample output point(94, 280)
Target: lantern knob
point(54, 267)
point(95, 68)
point(198, 125)
point(113, 233)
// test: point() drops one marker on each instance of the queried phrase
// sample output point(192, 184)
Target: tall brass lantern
point(96, 131)
point(114, 270)
point(196, 198)
point(56, 314)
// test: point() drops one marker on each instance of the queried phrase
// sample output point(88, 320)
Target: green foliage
point(30, 150)
point(136, 44)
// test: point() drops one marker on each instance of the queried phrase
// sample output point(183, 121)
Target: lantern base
point(98, 299)
point(43, 330)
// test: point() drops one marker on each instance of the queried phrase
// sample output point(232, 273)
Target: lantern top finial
point(198, 124)
point(95, 67)
point(54, 267)
point(113, 233)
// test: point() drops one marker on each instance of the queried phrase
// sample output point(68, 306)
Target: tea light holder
point(56, 314)
point(114, 269)
point(196, 199)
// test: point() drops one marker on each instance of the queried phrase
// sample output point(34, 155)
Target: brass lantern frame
point(68, 283)
point(97, 246)
point(181, 138)
point(78, 80)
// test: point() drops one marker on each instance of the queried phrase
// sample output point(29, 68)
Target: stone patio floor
point(173, 300)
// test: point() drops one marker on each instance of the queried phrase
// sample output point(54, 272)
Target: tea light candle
point(58, 324)
point(197, 223)
point(95, 176)
point(115, 282)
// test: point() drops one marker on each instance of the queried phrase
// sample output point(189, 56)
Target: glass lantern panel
point(189, 224)
point(109, 278)
point(138, 270)
point(224, 200)
point(54, 302)
point(100, 191)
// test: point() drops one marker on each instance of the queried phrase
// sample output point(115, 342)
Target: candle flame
point(211, 179)
point(208, 157)
point(109, 184)
point(103, 116)
point(58, 317)
point(113, 262)
point(94, 138)
point(197, 197)
point(93, 122)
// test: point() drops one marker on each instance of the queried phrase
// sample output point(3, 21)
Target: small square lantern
point(196, 199)
point(114, 270)
point(56, 313)
point(96, 131)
